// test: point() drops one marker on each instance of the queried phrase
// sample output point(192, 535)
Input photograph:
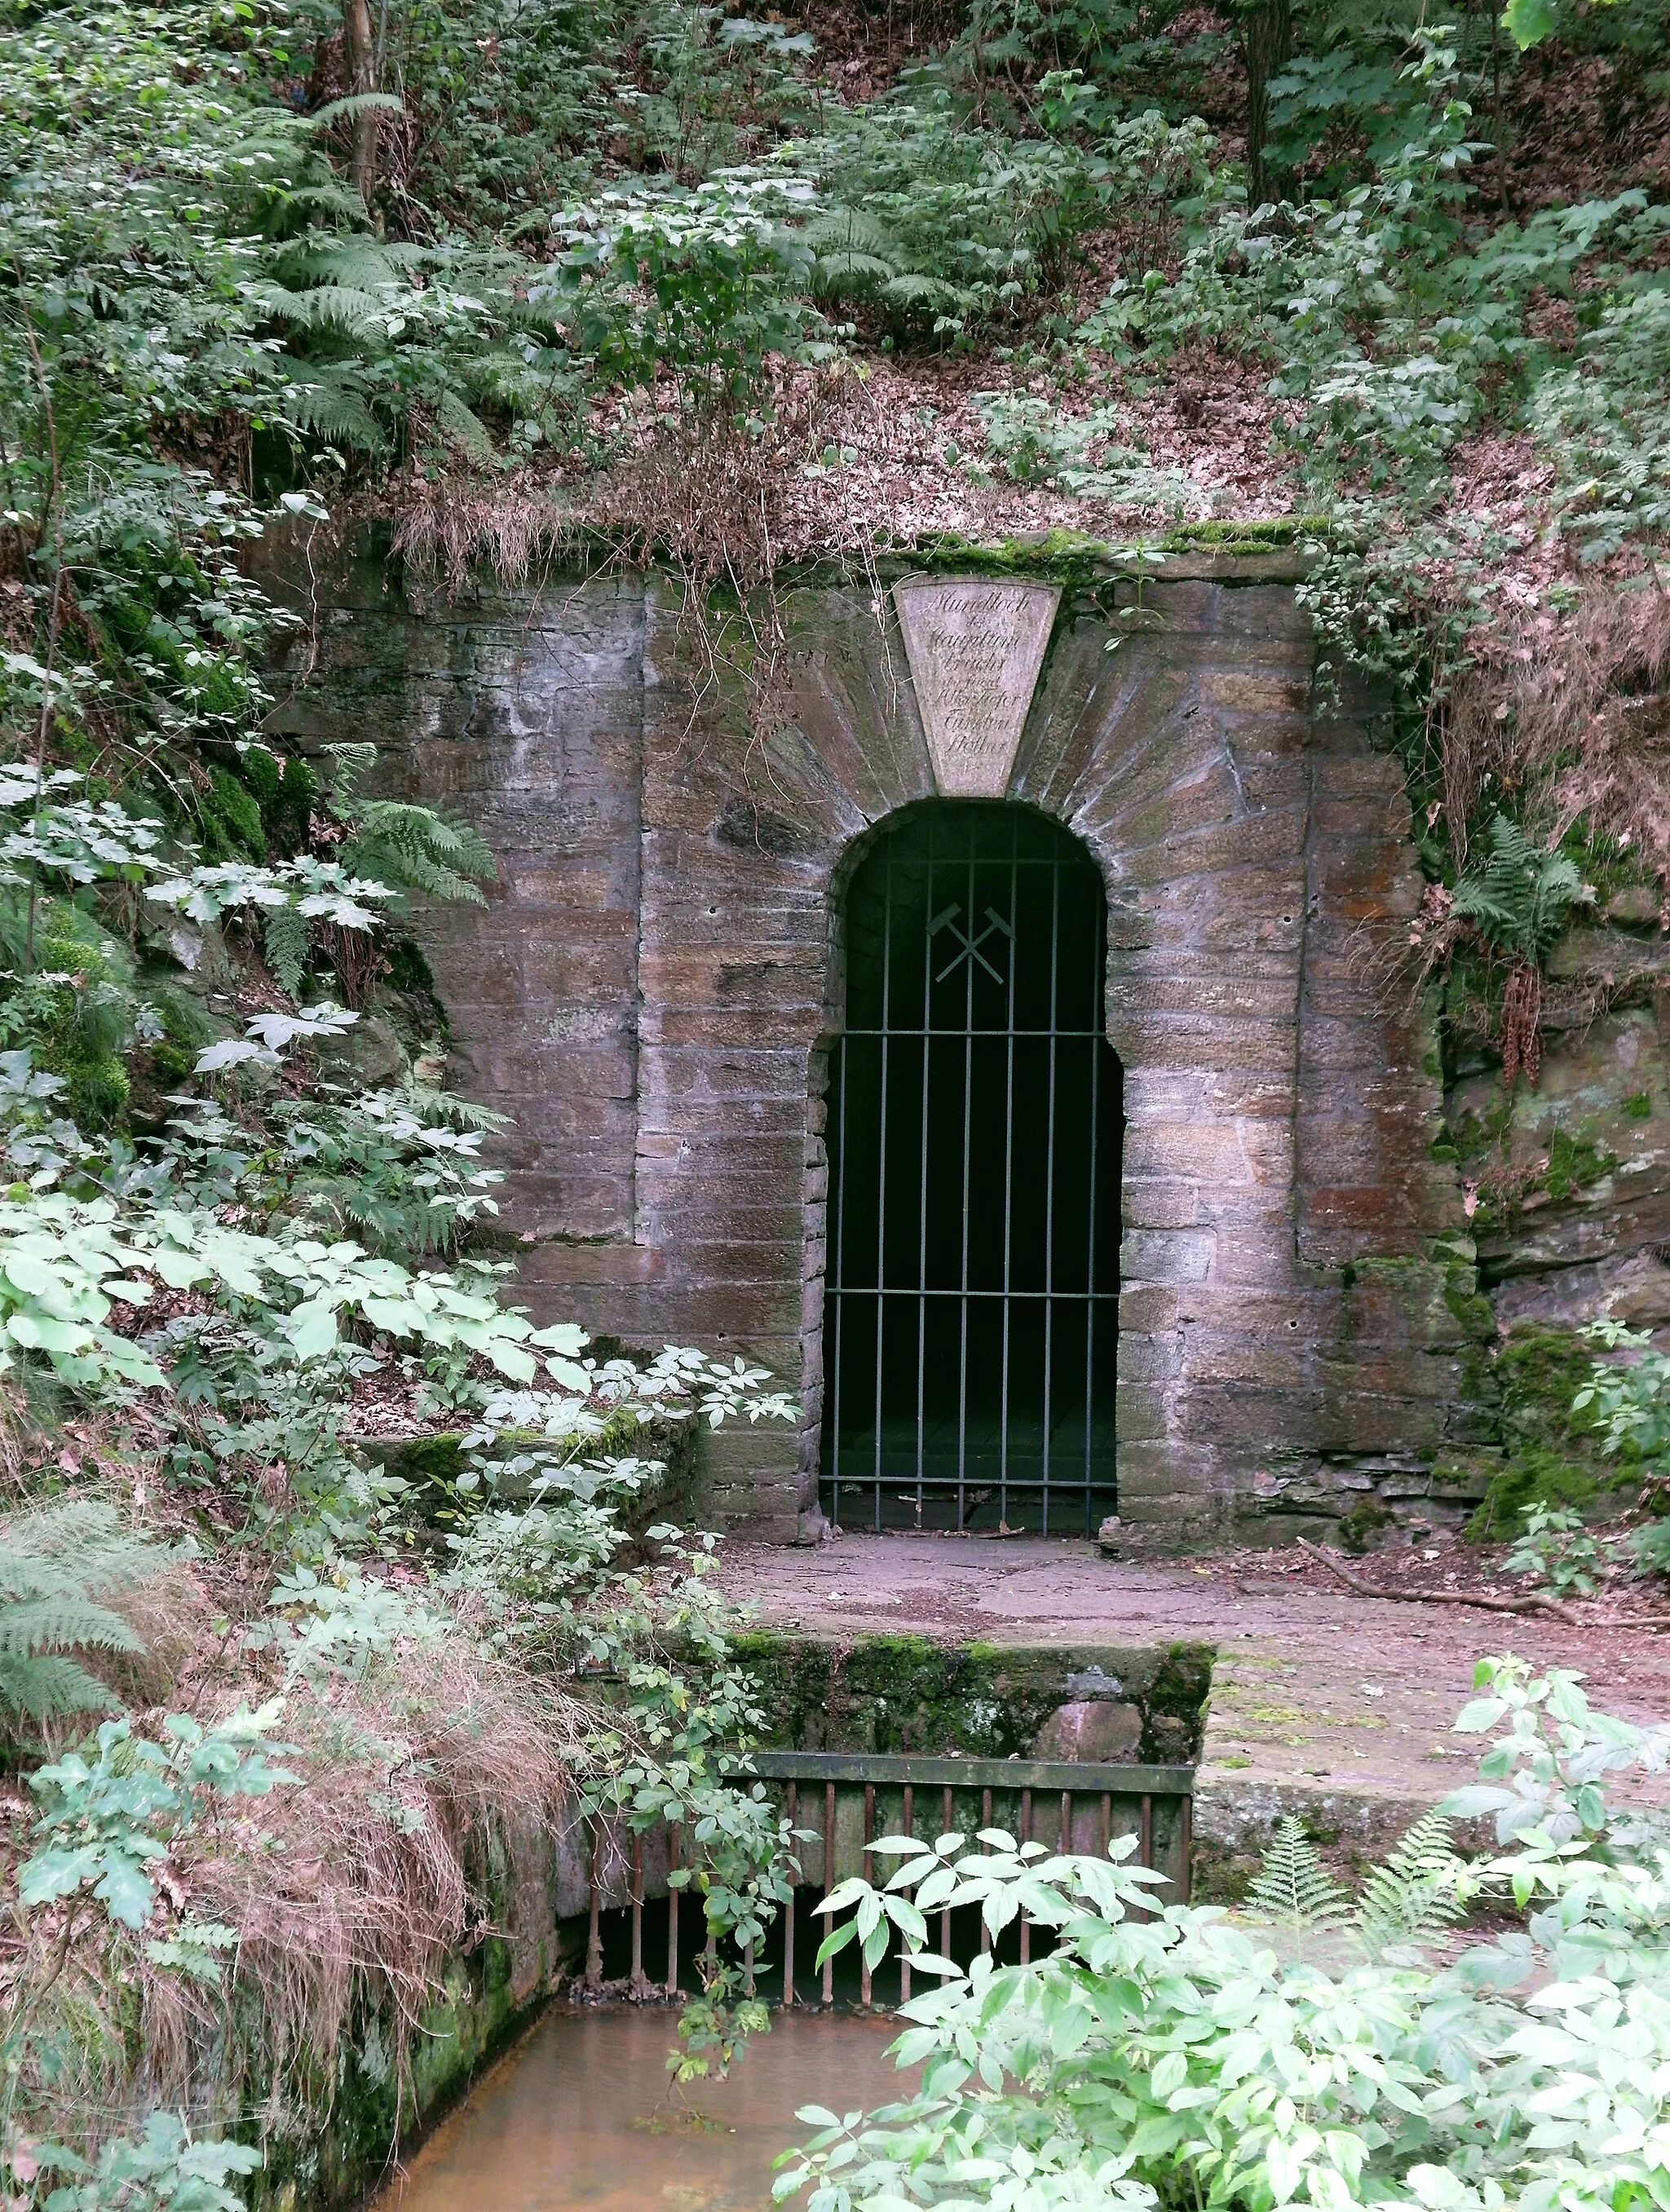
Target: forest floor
point(1336, 1706)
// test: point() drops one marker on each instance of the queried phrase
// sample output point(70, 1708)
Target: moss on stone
point(1551, 1455)
point(901, 1693)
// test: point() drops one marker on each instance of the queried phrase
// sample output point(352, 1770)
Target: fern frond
point(326, 407)
point(464, 429)
point(350, 764)
point(1411, 1897)
point(64, 1623)
point(55, 1563)
point(46, 1688)
point(287, 942)
point(1293, 1884)
point(77, 1545)
point(413, 848)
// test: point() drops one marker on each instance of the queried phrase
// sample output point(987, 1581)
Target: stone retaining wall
point(652, 989)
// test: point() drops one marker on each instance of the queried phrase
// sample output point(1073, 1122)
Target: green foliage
point(1415, 1893)
point(408, 847)
point(1555, 1549)
point(1292, 1885)
point(107, 1820)
point(1153, 2059)
point(1519, 901)
point(1650, 1547)
point(1629, 1399)
point(163, 2170)
point(937, 225)
point(57, 1564)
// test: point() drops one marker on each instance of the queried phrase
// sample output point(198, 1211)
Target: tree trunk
point(361, 57)
point(1269, 43)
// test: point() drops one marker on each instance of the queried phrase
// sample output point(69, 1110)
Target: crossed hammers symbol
point(970, 944)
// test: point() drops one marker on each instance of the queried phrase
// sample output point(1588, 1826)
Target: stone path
point(1334, 1706)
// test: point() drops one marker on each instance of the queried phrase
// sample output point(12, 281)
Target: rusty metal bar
point(945, 1915)
point(904, 1950)
point(639, 1985)
point(1104, 1833)
point(1026, 1838)
point(985, 1822)
point(748, 1968)
point(863, 1863)
point(1186, 1840)
point(791, 1807)
point(892, 1769)
point(829, 1882)
point(594, 1930)
point(675, 1836)
point(1063, 1833)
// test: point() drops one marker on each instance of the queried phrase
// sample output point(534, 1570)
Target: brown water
point(581, 2114)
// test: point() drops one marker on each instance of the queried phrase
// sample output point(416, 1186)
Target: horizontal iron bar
point(1084, 1779)
point(944, 1030)
point(1013, 1297)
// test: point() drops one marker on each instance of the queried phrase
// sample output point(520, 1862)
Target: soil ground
point(1326, 1704)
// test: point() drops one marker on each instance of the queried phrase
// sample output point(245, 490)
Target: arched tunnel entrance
point(975, 1128)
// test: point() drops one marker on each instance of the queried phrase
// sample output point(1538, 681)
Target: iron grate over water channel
point(975, 1128)
point(844, 1801)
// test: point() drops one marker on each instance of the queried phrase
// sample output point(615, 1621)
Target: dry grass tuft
point(350, 1893)
point(1572, 715)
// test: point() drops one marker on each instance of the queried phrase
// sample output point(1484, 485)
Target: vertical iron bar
point(1008, 1166)
point(829, 1884)
point(594, 1928)
point(963, 1301)
point(947, 1815)
point(904, 1948)
point(985, 1822)
point(748, 1968)
point(1106, 1824)
point(922, 1197)
point(881, 1173)
point(1049, 1167)
point(839, 1284)
point(863, 1867)
point(791, 1808)
point(674, 1835)
point(1026, 1838)
point(1089, 1302)
point(1185, 1841)
point(639, 1985)
point(1063, 1833)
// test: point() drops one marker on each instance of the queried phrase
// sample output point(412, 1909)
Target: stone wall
point(652, 990)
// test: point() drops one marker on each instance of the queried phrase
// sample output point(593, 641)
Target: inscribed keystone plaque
point(975, 650)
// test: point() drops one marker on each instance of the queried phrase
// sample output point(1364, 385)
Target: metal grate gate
point(975, 1129)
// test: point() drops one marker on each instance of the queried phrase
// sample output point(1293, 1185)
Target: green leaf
point(1528, 22)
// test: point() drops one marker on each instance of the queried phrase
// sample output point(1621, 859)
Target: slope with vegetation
point(726, 289)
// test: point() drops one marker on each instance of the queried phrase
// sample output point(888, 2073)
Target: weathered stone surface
point(1091, 1729)
point(974, 649)
point(651, 991)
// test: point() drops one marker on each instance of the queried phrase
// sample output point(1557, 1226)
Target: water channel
point(581, 2113)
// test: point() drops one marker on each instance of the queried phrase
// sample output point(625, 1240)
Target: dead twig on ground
point(1533, 1602)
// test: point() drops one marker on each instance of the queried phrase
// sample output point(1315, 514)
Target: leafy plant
point(1650, 1547)
point(163, 2170)
point(108, 1820)
point(1520, 898)
point(1150, 2057)
point(1630, 1398)
point(1291, 1884)
point(1555, 1548)
point(57, 1564)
